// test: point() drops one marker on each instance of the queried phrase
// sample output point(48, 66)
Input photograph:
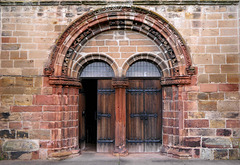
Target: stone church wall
point(32, 111)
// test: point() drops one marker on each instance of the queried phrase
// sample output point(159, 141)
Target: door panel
point(135, 129)
point(105, 116)
point(144, 116)
point(153, 122)
point(82, 109)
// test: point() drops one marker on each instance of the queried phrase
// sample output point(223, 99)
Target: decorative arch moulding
point(118, 18)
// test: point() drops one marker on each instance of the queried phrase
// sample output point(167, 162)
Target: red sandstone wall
point(203, 118)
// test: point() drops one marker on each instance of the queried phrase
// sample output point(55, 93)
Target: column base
point(120, 151)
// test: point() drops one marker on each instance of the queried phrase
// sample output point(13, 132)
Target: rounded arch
point(148, 57)
point(115, 18)
point(83, 61)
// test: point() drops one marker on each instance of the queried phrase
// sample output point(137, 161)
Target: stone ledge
point(64, 81)
point(178, 80)
point(154, 2)
point(64, 155)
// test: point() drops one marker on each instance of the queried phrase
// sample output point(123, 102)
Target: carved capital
point(120, 83)
point(48, 71)
point(191, 70)
point(178, 80)
point(65, 81)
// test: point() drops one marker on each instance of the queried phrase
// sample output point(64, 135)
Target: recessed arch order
point(119, 18)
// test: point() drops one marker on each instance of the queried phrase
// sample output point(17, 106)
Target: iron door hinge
point(100, 115)
point(144, 115)
point(102, 141)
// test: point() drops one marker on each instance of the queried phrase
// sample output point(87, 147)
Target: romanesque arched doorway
point(156, 42)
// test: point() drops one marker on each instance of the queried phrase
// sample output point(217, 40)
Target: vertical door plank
point(135, 127)
point(82, 109)
point(105, 125)
point(152, 106)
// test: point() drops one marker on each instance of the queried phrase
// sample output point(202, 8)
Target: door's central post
point(120, 86)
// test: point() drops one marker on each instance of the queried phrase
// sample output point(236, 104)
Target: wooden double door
point(143, 115)
point(144, 133)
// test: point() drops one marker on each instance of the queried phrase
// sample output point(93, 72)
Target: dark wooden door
point(82, 110)
point(144, 133)
point(105, 116)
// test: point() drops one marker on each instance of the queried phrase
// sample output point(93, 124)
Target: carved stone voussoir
point(178, 80)
point(65, 81)
point(120, 83)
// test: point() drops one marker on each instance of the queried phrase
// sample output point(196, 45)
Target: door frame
point(80, 121)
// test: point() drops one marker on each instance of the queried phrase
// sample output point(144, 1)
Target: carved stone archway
point(176, 73)
point(114, 18)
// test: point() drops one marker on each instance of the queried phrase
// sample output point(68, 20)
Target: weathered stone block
point(15, 125)
point(224, 132)
point(233, 123)
point(218, 59)
point(233, 115)
point(228, 87)
point(234, 154)
point(39, 134)
point(3, 124)
point(20, 145)
point(217, 123)
point(24, 81)
point(232, 96)
point(216, 143)
point(207, 154)
point(202, 59)
point(190, 106)
point(196, 123)
point(23, 100)
point(208, 87)
point(26, 108)
point(6, 81)
point(7, 63)
point(216, 96)
point(212, 69)
point(36, 116)
point(15, 117)
point(229, 68)
point(218, 78)
point(207, 105)
point(203, 96)
point(196, 115)
point(22, 64)
point(201, 132)
point(213, 115)
point(7, 100)
point(221, 154)
point(236, 132)
point(47, 99)
point(232, 58)
point(192, 96)
point(192, 141)
point(203, 78)
point(10, 46)
point(233, 78)
point(224, 106)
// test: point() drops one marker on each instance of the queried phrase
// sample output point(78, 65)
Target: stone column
point(120, 86)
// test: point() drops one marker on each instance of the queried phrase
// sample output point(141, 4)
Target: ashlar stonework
point(45, 45)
